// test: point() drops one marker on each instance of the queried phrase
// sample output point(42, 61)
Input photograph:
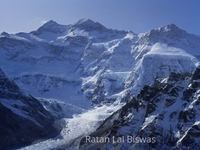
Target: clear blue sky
point(136, 15)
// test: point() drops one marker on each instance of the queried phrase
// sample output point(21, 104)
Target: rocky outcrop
point(164, 115)
point(86, 64)
point(23, 119)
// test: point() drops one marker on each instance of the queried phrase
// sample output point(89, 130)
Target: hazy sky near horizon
point(136, 15)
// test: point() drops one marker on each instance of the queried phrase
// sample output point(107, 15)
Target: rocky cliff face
point(86, 57)
point(23, 119)
point(85, 64)
point(164, 115)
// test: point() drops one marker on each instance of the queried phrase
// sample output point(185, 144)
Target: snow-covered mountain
point(85, 64)
point(164, 115)
point(23, 119)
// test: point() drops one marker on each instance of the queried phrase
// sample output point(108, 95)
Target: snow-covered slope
point(92, 62)
point(76, 128)
point(22, 116)
point(85, 64)
point(164, 115)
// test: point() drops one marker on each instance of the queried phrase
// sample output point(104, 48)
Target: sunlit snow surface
point(52, 63)
point(77, 127)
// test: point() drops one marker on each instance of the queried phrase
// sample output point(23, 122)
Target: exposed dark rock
point(168, 113)
point(23, 119)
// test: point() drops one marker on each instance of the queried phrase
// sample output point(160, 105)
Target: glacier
point(84, 73)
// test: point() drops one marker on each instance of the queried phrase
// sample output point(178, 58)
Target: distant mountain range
point(148, 85)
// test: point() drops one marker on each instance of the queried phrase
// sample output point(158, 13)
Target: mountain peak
point(50, 23)
point(88, 25)
point(51, 27)
point(170, 30)
point(173, 31)
point(172, 27)
point(84, 22)
point(4, 34)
